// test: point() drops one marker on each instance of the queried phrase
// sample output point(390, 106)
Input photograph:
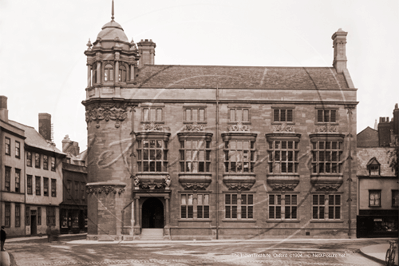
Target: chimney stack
point(147, 52)
point(396, 120)
point(3, 108)
point(339, 44)
point(70, 146)
point(45, 126)
point(384, 132)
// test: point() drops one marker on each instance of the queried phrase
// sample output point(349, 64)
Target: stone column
point(137, 216)
point(98, 72)
point(88, 76)
point(131, 72)
point(116, 71)
point(166, 227)
point(282, 206)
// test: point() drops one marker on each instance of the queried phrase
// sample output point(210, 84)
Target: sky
point(43, 67)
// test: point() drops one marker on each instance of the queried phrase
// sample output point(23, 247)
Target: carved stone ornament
point(152, 182)
point(283, 128)
point(326, 129)
point(239, 186)
point(152, 127)
point(195, 186)
point(193, 128)
point(95, 190)
point(327, 187)
point(283, 186)
point(239, 127)
point(116, 111)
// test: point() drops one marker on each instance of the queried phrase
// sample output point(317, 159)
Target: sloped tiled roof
point(179, 76)
point(364, 155)
point(34, 139)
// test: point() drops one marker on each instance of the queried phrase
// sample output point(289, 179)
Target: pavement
point(374, 252)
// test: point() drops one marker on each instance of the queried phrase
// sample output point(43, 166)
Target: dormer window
point(108, 73)
point(373, 166)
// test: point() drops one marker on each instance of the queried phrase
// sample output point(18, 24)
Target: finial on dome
point(112, 17)
point(89, 45)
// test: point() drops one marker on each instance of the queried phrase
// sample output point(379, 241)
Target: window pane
point(333, 116)
point(201, 115)
point(232, 115)
point(245, 115)
point(282, 115)
point(276, 115)
point(289, 115)
point(239, 115)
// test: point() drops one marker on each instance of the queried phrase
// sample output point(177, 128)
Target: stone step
point(151, 233)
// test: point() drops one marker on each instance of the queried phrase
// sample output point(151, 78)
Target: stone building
point(214, 152)
point(378, 196)
point(73, 209)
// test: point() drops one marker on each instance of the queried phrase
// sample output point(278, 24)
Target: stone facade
point(215, 151)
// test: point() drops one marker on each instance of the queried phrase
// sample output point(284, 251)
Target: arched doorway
point(152, 214)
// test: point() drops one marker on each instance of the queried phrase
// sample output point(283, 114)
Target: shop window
point(283, 156)
point(7, 178)
point(152, 155)
point(17, 149)
point(239, 206)
point(326, 207)
point(37, 160)
point(288, 203)
point(282, 115)
point(7, 146)
point(108, 73)
point(38, 182)
point(152, 115)
point(53, 187)
point(29, 184)
point(7, 213)
point(326, 157)
point(239, 156)
point(29, 158)
point(45, 162)
point(239, 115)
point(17, 215)
point(375, 198)
point(395, 198)
point(195, 155)
point(17, 180)
point(45, 186)
point(194, 114)
point(326, 115)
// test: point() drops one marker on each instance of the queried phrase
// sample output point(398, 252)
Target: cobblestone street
point(320, 252)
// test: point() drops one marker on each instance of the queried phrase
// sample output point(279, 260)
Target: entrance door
point(152, 214)
point(33, 227)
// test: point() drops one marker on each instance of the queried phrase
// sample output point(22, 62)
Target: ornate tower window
point(122, 73)
point(108, 73)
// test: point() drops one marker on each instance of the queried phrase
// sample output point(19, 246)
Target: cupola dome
point(111, 30)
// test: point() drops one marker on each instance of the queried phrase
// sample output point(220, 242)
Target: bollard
point(4, 258)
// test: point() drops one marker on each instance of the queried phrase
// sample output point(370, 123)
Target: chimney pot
point(45, 125)
point(3, 108)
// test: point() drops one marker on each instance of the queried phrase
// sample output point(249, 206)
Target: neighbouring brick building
point(378, 192)
point(73, 209)
point(217, 151)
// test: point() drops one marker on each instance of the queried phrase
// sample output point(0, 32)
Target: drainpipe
point(217, 162)
point(350, 110)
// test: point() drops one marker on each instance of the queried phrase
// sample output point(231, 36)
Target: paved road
point(326, 252)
